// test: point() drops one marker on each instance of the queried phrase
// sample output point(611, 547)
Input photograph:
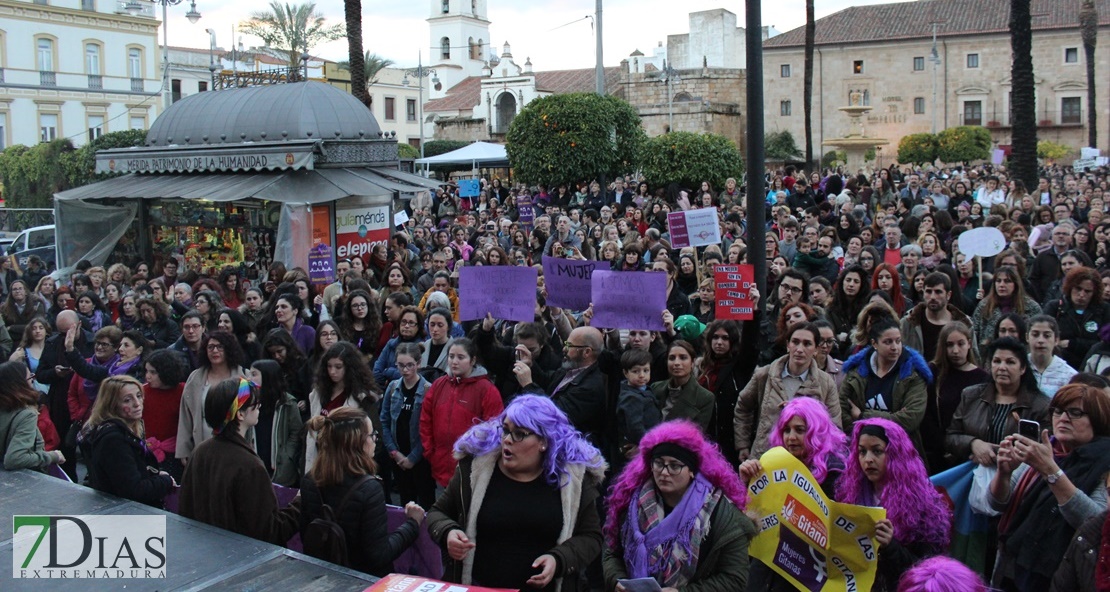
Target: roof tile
point(466, 94)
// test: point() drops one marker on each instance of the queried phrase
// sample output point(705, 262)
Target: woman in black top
point(361, 322)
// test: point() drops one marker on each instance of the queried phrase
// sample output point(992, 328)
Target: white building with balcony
point(76, 69)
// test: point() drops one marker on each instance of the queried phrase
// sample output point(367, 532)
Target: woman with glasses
point(676, 514)
point(220, 360)
point(112, 443)
point(520, 512)
point(400, 416)
point(225, 484)
point(410, 329)
point(21, 442)
point(83, 387)
point(361, 322)
point(1047, 487)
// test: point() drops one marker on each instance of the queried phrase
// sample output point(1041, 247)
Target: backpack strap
point(350, 492)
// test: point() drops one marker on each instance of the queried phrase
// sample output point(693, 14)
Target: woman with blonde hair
point(344, 477)
point(113, 444)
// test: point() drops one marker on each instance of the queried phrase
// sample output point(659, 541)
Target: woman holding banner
point(677, 301)
point(702, 541)
point(888, 473)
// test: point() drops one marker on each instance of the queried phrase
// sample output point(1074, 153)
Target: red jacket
point(451, 406)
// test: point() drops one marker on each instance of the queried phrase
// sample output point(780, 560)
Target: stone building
point(885, 52)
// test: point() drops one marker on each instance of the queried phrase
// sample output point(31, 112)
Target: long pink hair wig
point(823, 440)
point(718, 471)
point(917, 510)
point(941, 574)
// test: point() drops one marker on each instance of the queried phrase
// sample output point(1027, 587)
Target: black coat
point(54, 354)
point(499, 359)
point(731, 379)
point(1044, 271)
point(582, 399)
point(121, 465)
point(371, 548)
point(163, 332)
point(1079, 330)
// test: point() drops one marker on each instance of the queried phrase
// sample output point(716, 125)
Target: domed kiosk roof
point(269, 113)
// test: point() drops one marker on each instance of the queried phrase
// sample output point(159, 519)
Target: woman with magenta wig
point(941, 574)
point(805, 429)
point(676, 514)
point(520, 510)
point(888, 473)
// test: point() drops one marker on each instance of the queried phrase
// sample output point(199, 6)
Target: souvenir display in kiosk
point(210, 236)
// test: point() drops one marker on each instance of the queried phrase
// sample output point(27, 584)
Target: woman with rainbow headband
point(225, 483)
point(676, 514)
point(888, 473)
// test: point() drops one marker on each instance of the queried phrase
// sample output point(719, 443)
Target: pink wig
point(823, 440)
point(941, 574)
point(718, 471)
point(917, 510)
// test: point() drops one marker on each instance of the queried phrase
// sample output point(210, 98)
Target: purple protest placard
point(525, 214)
point(676, 227)
point(568, 282)
point(628, 299)
point(508, 293)
point(321, 270)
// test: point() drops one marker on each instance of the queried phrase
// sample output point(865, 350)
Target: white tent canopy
point(476, 154)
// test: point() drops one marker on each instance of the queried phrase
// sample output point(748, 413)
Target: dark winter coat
point(908, 399)
point(121, 464)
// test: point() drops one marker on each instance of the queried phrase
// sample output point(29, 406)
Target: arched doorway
point(506, 111)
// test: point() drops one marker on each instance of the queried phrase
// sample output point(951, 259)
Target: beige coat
point(759, 404)
point(191, 427)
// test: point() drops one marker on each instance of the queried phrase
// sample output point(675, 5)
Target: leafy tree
point(833, 158)
point(688, 159)
point(32, 176)
point(780, 146)
point(373, 64)
point(407, 150)
point(569, 137)
point(964, 144)
point(83, 162)
point(870, 154)
point(1023, 105)
point(1052, 151)
point(917, 149)
point(292, 28)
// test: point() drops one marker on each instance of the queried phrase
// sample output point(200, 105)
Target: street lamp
point(420, 73)
point(670, 76)
point(134, 8)
point(212, 55)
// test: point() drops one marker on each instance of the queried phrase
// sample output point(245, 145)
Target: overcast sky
point(552, 32)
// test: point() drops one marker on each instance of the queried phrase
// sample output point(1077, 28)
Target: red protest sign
point(733, 285)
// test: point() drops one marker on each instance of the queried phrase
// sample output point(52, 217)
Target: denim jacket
point(392, 402)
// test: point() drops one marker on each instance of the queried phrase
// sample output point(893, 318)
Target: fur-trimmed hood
point(911, 360)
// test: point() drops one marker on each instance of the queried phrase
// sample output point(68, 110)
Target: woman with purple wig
point(805, 429)
point(888, 473)
point(521, 508)
point(675, 514)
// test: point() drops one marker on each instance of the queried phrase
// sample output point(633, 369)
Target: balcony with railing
point(226, 79)
point(96, 82)
point(48, 78)
point(1044, 118)
point(137, 85)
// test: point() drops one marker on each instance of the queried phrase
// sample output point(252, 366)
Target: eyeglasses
point(569, 345)
point(1073, 412)
point(672, 468)
point(103, 344)
point(407, 322)
point(214, 347)
point(408, 366)
point(359, 305)
point(517, 435)
point(791, 289)
point(827, 342)
point(31, 377)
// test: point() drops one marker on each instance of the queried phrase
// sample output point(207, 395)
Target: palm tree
point(1023, 157)
point(292, 28)
point(1088, 28)
point(807, 104)
point(373, 64)
point(352, 10)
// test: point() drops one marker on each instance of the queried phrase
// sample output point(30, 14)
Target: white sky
point(397, 29)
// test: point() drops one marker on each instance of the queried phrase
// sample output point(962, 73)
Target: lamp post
point(420, 73)
point(134, 8)
point(934, 57)
point(212, 55)
point(670, 76)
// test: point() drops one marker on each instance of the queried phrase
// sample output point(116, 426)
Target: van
point(38, 240)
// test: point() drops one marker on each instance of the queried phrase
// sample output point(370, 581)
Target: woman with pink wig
point(941, 574)
point(675, 514)
point(805, 429)
point(888, 473)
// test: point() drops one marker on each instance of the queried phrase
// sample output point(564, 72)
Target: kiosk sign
point(359, 228)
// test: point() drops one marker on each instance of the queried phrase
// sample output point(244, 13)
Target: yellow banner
point(815, 543)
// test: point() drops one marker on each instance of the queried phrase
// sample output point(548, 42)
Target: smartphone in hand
point(1030, 429)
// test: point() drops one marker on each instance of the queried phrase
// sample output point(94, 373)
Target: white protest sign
point(400, 218)
point(982, 242)
point(694, 228)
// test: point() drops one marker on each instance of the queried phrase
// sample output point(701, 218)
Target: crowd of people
point(555, 454)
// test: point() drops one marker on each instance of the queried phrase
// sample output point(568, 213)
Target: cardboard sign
point(733, 285)
point(982, 242)
point(628, 299)
point(815, 543)
point(568, 282)
point(469, 188)
point(400, 218)
point(506, 292)
point(694, 228)
point(406, 583)
point(321, 268)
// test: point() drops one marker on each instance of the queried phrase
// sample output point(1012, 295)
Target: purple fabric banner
point(568, 282)
point(629, 299)
point(508, 293)
point(321, 270)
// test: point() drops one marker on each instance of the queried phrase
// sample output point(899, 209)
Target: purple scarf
point(91, 387)
point(666, 547)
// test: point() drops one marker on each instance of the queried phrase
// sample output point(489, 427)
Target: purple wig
point(941, 574)
point(565, 445)
point(720, 473)
point(823, 440)
point(917, 510)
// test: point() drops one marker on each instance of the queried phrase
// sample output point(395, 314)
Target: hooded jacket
point(451, 406)
point(908, 400)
